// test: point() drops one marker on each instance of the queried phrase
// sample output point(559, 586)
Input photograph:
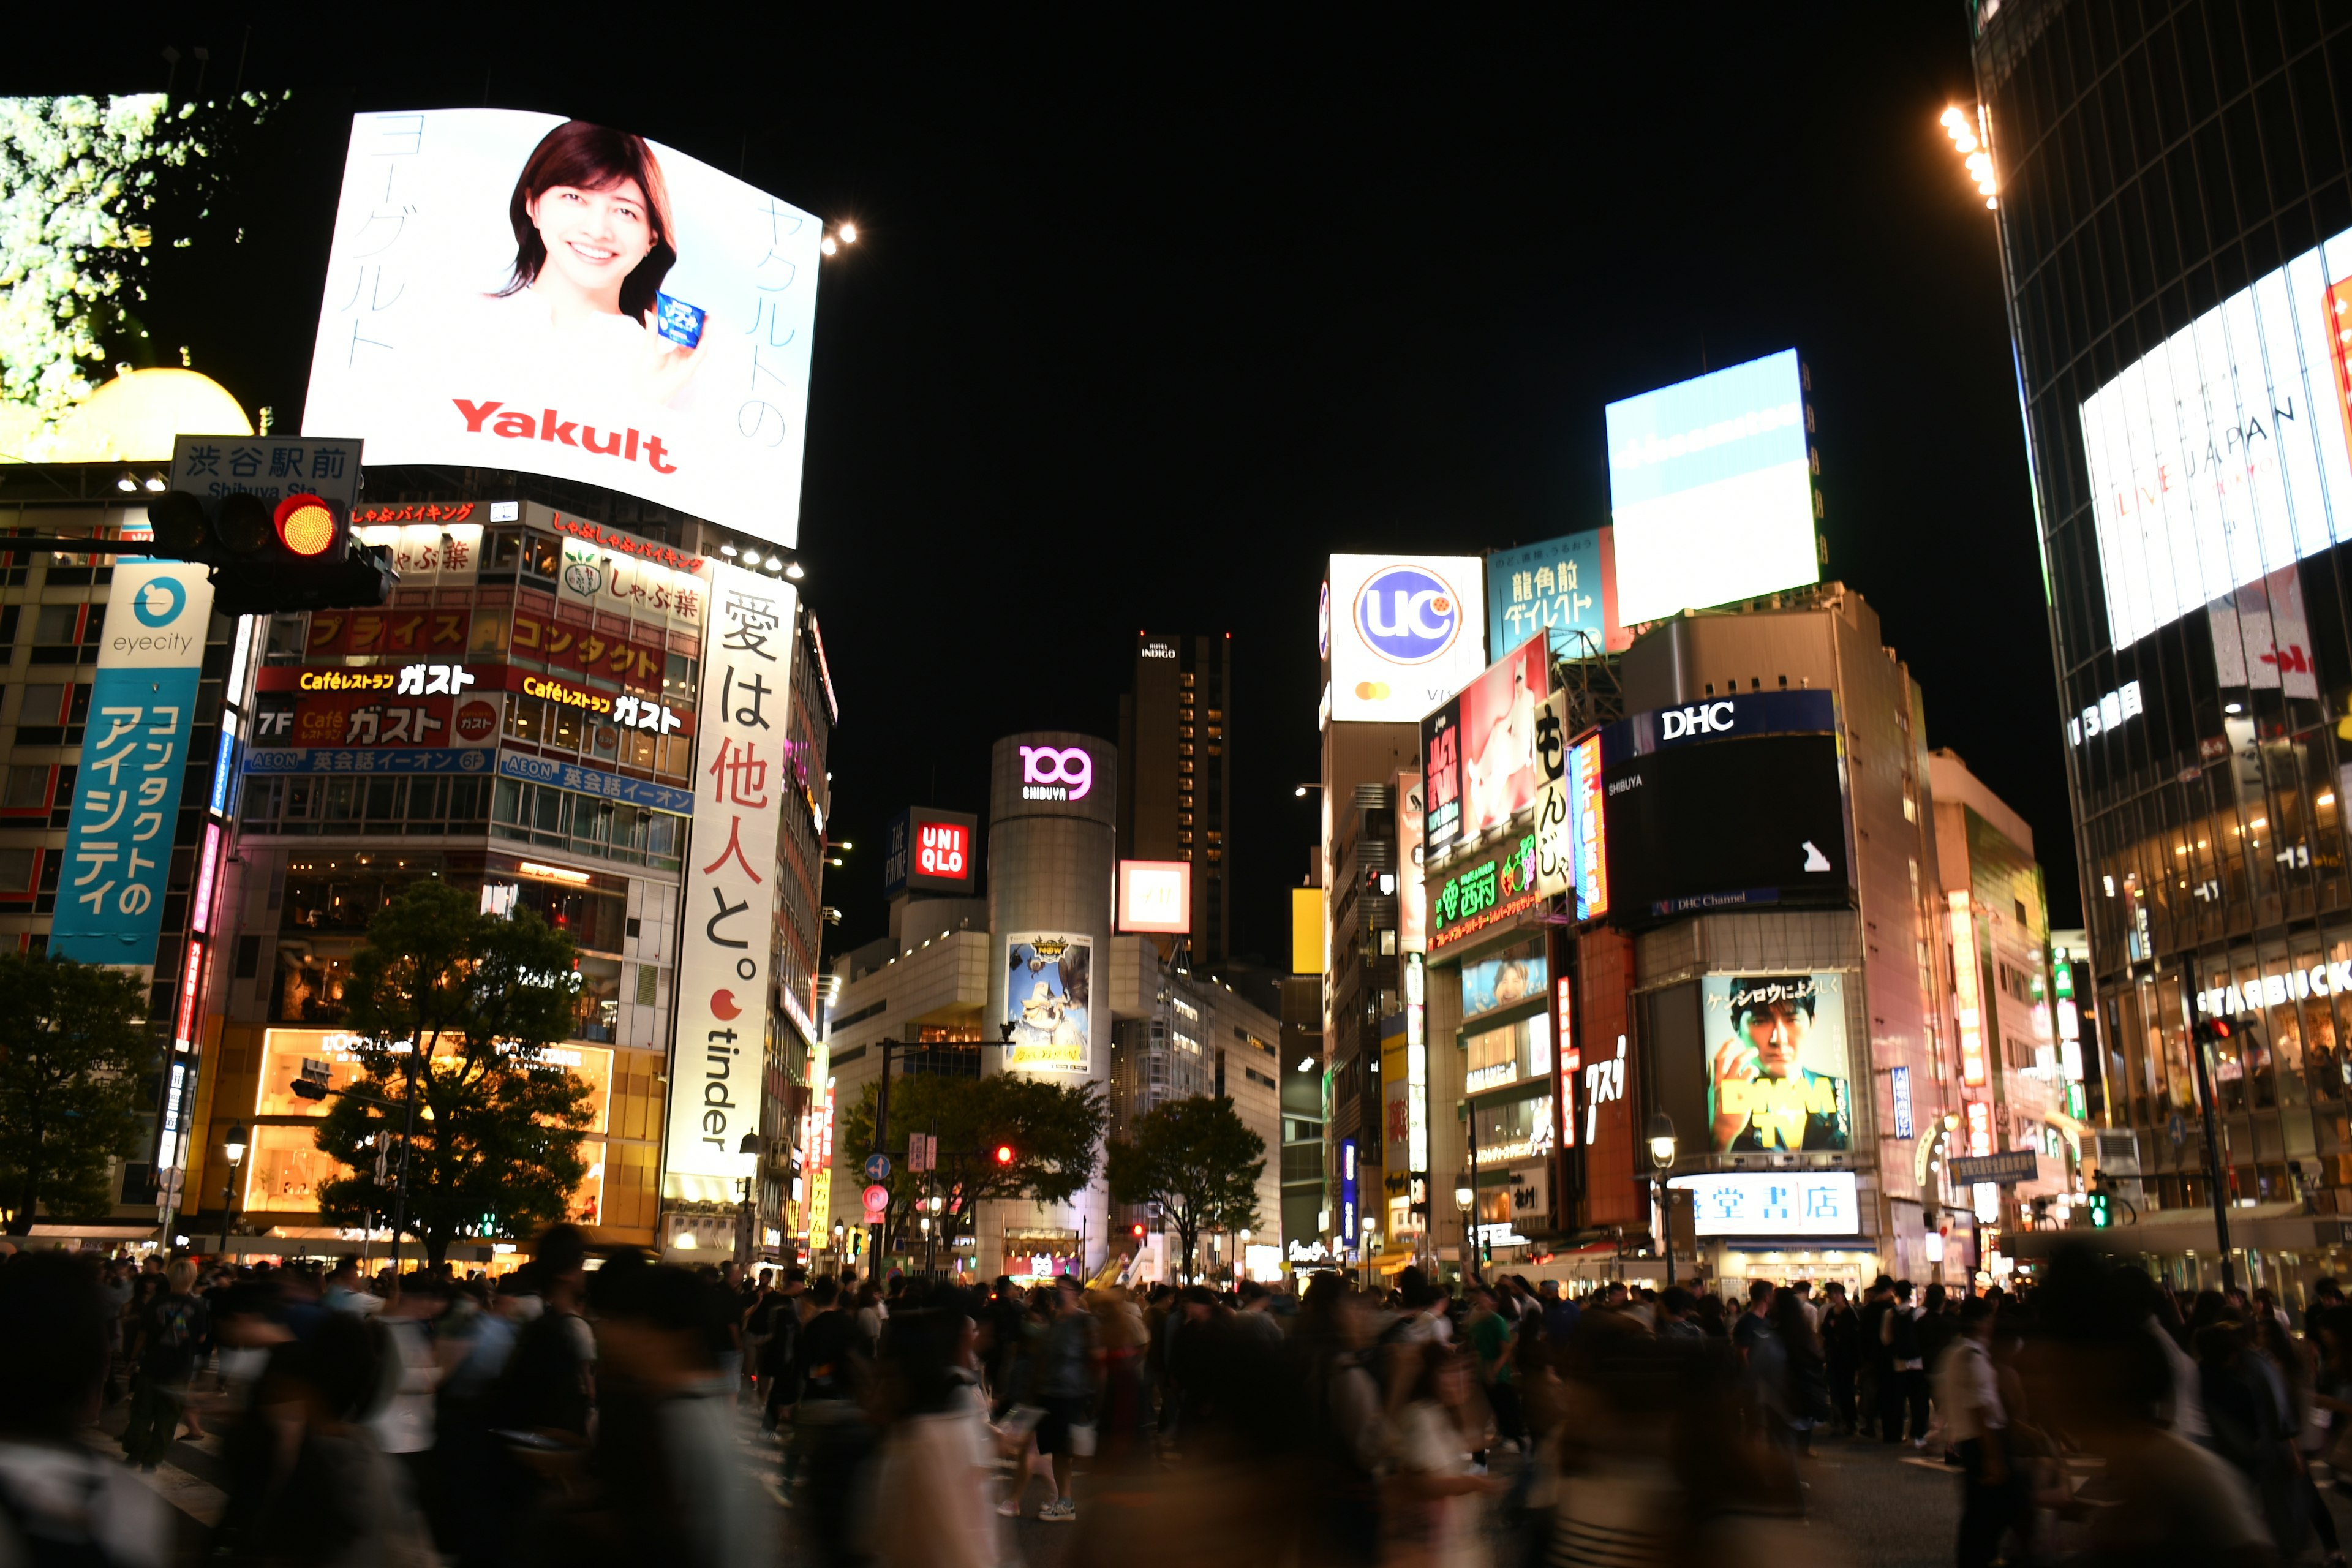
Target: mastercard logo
point(1371, 691)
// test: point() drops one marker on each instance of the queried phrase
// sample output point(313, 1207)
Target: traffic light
point(1004, 1153)
point(298, 554)
point(1137, 1228)
point(2100, 1219)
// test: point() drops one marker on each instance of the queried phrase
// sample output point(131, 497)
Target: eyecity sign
point(1049, 772)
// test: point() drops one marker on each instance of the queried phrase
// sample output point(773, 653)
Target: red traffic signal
point(306, 524)
point(1137, 1228)
point(1004, 1153)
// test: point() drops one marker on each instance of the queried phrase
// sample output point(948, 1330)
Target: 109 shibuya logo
point(1408, 614)
point(1051, 773)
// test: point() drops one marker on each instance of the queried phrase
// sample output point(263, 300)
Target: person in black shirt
point(1841, 1349)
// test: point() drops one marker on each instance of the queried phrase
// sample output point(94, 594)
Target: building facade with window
point(1176, 775)
point(520, 720)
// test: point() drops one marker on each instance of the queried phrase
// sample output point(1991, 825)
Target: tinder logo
point(514, 426)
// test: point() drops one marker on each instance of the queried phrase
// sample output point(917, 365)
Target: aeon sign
point(1408, 614)
point(1048, 772)
point(1705, 719)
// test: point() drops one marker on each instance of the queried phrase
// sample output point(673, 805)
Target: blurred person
point(1123, 1422)
point(1257, 1313)
point(60, 1502)
point(169, 1338)
point(1876, 1368)
point(1346, 1440)
point(1967, 1390)
point(402, 1422)
point(1434, 1493)
point(2245, 1408)
point(665, 1482)
point(2306, 1422)
point(1189, 1362)
point(1757, 1318)
point(1069, 1377)
point(830, 1435)
point(1708, 1316)
point(2100, 1379)
point(1559, 1313)
point(1491, 1338)
point(325, 1495)
point(1677, 1315)
point(345, 1292)
point(933, 1468)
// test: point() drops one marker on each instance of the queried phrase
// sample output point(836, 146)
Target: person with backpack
point(170, 1337)
point(778, 1317)
point(1905, 1377)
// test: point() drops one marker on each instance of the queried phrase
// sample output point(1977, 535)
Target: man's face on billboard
point(1776, 1030)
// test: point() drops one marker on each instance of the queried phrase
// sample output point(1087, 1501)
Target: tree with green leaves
point(1196, 1160)
point(1054, 1131)
point(462, 1007)
point(73, 1049)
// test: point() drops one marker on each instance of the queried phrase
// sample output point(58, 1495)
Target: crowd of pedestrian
point(583, 1409)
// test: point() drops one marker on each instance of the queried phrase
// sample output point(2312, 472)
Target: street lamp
point(749, 1148)
point(1661, 1157)
point(1241, 1260)
point(1465, 1194)
point(234, 1146)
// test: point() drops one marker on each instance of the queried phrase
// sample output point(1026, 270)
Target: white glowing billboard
point(516, 290)
point(2214, 459)
point(1711, 489)
point(1407, 632)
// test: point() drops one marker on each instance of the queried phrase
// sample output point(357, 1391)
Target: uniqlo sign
point(942, 849)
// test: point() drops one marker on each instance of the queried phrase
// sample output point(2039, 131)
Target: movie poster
point(1778, 1077)
point(1048, 990)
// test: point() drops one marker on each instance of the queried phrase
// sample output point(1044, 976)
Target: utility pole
point(2204, 1036)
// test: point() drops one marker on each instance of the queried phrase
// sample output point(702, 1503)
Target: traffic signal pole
point(2203, 1040)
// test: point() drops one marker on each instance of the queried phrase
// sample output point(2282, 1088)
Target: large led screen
point(1478, 750)
point(517, 291)
point(1407, 633)
point(2214, 460)
point(1732, 823)
point(1711, 490)
point(1779, 1077)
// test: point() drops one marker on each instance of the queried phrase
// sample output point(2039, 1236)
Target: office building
point(1176, 775)
point(2154, 262)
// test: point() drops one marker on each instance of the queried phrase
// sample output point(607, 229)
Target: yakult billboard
point(518, 291)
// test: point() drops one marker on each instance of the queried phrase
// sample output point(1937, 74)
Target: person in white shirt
point(1969, 1393)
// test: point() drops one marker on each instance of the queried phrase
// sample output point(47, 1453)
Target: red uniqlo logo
point(942, 849)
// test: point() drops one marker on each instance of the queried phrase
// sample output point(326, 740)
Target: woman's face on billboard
point(594, 239)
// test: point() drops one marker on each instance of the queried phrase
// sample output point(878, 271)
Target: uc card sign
point(134, 751)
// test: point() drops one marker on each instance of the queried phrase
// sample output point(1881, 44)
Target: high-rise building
point(1176, 775)
point(2172, 188)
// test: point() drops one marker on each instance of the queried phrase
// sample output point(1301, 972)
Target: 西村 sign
point(1492, 887)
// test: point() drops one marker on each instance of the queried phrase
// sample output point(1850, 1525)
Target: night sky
point(1144, 326)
